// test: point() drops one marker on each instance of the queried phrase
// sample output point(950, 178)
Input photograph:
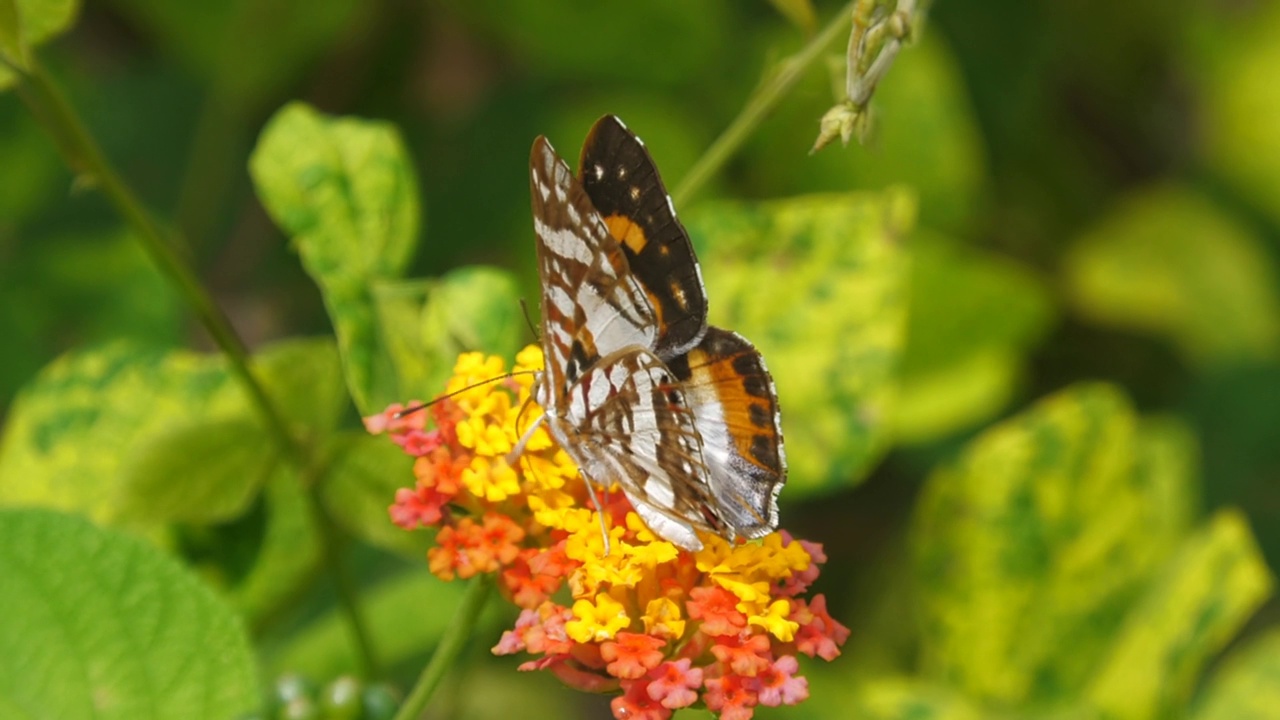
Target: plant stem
point(763, 100)
point(47, 103)
point(446, 654)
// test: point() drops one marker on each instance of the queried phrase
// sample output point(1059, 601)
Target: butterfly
point(637, 388)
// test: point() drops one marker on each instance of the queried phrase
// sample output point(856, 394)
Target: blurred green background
point(1096, 194)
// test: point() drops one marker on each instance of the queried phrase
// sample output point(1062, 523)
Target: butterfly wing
point(624, 186)
point(591, 303)
point(735, 406)
point(627, 420)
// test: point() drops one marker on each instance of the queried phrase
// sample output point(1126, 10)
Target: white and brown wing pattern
point(610, 401)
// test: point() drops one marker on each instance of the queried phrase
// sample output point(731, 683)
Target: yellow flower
point(493, 480)
point(749, 593)
point(774, 619)
point(662, 619)
point(649, 554)
point(594, 622)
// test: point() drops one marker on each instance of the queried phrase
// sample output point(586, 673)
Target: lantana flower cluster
point(662, 627)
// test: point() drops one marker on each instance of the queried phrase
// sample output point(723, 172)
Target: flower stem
point(81, 152)
point(446, 655)
point(763, 100)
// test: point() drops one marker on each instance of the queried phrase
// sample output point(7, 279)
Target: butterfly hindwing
point(628, 420)
point(735, 406)
point(623, 183)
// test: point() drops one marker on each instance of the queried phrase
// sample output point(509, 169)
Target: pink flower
point(635, 703)
point(729, 696)
point(819, 633)
point(675, 684)
point(779, 684)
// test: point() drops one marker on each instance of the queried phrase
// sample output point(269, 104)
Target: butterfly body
point(638, 388)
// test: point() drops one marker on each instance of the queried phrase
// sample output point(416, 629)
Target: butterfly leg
point(595, 500)
point(518, 450)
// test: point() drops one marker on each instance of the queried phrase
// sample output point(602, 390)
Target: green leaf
point(25, 24)
point(248, 50)
point(797, 12)
point(406, 616)
point(361, 484)
point(1198, 603)
point(832, 333)
point(472, 308)
point(72, 431)
point(1169, 262)
point(426, 324)
point(289, 555)
point(1231, 67)
point(13, 46)
point(1038, 539)
point(398, 305)
point(97, 624)
point(304, 378)
point(201, 473)
point(1247, 687)
point(691, 35)
point(344, 190)
point(972, 317)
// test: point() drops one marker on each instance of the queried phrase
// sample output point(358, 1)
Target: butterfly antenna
point(528, 320)
point(473, 386)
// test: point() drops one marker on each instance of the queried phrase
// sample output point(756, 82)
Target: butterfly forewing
point(624, 186)
point(591, 303)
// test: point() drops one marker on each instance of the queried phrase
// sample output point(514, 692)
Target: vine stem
point(451, 645)
point(763, 100)
point(81, 152)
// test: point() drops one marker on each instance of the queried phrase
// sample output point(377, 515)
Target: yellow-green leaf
point(72, 430)
point(972, 316)
point(1168, 261)
point(1032, 545)
point(13, 46)
point(24, 24)
point(303, 376)
point(1198, 603)
point(200, 473)
point(797, 12)
point(817, 283)
point(343, 189)
point(95, 624)
point(909, 699)
point(1247, 686)
point(1231, 66)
